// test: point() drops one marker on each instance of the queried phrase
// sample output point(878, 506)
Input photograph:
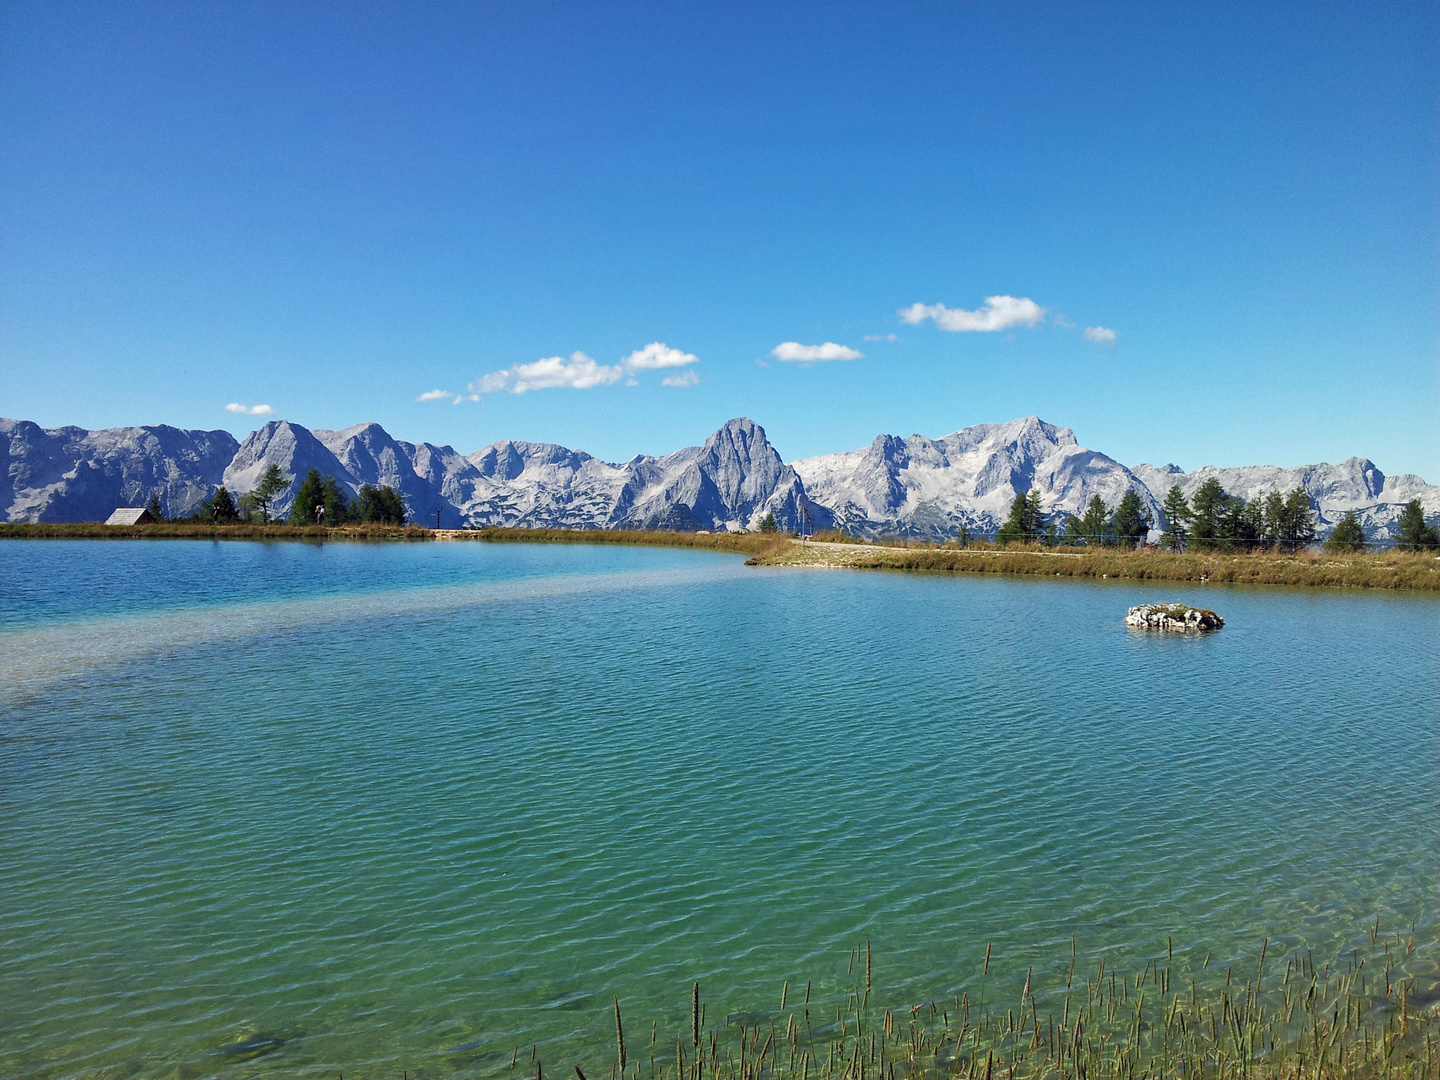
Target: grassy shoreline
point(1392, 570)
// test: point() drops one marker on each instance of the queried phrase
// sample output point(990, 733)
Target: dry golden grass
point(1378, 570)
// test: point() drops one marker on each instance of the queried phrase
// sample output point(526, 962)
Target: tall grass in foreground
point(1282, 1017)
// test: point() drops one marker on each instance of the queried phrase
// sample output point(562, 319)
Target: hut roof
point(130, 515)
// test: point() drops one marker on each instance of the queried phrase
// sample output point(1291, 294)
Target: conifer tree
point(1026, 519)
point(154, 508)
point(1348, 534)
point(1132, 520)
point(1176, 515)
point(1413, 533)
point(1297, 520)
point(1093, 526)
point(310, 495)
point(221, 505)
point(272, 483)
point(1207, 506)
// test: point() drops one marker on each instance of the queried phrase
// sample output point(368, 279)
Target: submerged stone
point(1181, 617)
point(253, 1044)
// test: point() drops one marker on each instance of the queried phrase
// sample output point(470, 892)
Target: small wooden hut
point(130, 515)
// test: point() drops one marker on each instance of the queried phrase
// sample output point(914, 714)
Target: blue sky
point(333, 210)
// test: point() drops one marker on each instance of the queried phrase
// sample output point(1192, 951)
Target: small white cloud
point(999, 313)
point(465, 397)
point(658, 355)
point(435, 395)
point(579, 372)
point(881, 337)
point(809, 354)
point(1101, 335)
point(685, 378)
point(250, 410)
point(1062, 322)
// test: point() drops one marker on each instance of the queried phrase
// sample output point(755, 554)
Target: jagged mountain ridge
point(917, 486)
point(929, 488)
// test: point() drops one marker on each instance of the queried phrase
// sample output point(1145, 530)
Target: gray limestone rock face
point(930, 488)
point(71, 474)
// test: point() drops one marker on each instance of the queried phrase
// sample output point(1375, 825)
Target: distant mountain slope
point(1355, 484)
point(70, 474)
point(730, 482)
point(930, 487)
point(919, 486)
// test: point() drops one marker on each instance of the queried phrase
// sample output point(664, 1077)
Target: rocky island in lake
point(1181, 617)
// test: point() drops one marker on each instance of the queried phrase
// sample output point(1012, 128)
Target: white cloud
point(1101, 335)
point(658, 355)
point(809, 354)
point(999, 313)
point(435, 395)
point(881, 337)
point(685, 378)
point(465, 397)
point(250, 410)
point(579, 372)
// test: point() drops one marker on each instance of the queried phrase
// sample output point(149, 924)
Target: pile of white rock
point(1179, 617)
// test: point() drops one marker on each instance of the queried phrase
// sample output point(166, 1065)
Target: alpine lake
point(287, 809)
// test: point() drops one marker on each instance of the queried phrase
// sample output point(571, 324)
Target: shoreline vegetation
point(1393, 569)
point(1273, 1016)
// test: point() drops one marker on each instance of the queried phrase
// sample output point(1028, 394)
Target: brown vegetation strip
point(1379, 570)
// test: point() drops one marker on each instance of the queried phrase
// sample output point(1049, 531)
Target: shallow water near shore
point(302, 809)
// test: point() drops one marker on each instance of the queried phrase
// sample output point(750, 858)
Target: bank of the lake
point(1395, 570)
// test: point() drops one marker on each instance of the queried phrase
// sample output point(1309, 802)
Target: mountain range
point(917, 487)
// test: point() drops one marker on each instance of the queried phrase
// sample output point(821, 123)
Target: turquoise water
point(366, 808)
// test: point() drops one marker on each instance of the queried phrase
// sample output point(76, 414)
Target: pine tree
point(1176, 515)
point(1094, 526)
point(1274, 527)
point(767, 523)
point(154, 508)
point(1297, 520)
point(1413, 533)
point(272, 483)
point(382, 505)
point(334, 499)
point(1132, 520)
point(221, 505)
point(310, 495)
point(1026, 520)
point(1207, 506)
point(1348, 535)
